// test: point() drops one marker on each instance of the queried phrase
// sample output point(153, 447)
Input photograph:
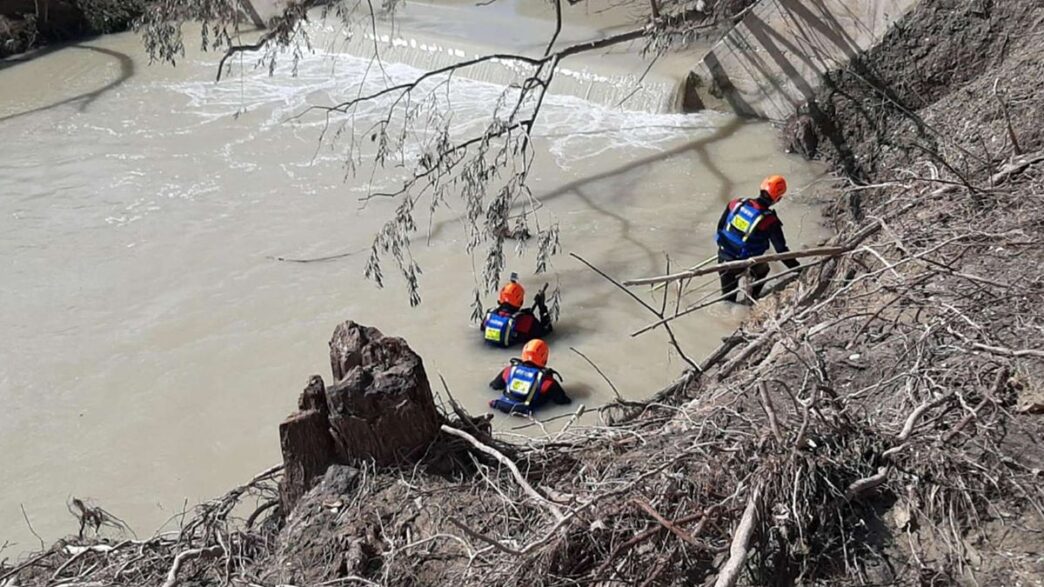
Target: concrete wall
point(261, 11)
point(774, 59)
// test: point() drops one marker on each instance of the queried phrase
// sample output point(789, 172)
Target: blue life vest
point(523, 385)
point(499, 329)
point(740, 234)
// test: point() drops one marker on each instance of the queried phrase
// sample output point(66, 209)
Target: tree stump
point(307, 445)
point(380, 408)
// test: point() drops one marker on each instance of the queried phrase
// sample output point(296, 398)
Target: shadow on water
point(576, 187)
point(719, 134)
point(704, 155)
point(85, 100)
point(698, 146)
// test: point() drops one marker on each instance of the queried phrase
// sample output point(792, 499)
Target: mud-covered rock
point(692, 101)
point(799, 136)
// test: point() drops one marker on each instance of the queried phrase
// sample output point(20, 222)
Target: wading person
point(528, 383)
point(745, 230)
point(509, 323)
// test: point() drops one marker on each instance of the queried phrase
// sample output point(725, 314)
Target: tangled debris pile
point(879, 422)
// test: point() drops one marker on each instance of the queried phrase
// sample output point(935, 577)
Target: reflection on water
point(151, 344)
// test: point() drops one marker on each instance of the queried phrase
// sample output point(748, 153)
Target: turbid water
point(150, 343)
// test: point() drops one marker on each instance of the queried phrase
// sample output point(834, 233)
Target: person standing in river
point(745, 230)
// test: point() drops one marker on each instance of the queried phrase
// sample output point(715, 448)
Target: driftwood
point(551, 506)
point(187, 555)
point(658, 313)
point(741, 264)
point(703, 304)
point(381, 406)
point(307, 445)
point(738, 551)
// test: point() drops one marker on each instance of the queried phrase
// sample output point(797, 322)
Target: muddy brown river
point(151, 344)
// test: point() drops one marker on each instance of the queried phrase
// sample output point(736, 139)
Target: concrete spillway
point(261, 12)
point(767, 66)
point(774, 59)
point(434, 36)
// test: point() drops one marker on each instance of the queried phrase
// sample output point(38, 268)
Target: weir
point(774, 60)
point(604, 86)
point(767, 66)
point(613, 80)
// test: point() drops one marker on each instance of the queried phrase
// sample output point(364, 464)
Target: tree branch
point(701, 305)
point(655, 312)
point(182, 557)
point(558, 27)
point(742, 264)
point(739, 549)
point(551, 507)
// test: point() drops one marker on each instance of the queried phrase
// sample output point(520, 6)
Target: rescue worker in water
point(745, 230)
point(509, 323)
point(528, 383)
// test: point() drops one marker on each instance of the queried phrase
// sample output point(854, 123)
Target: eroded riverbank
point(145, 204)
point(878, 422)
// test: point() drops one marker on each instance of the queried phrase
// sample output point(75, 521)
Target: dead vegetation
point(216, 538)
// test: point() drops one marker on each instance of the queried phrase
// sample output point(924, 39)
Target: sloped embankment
point(879, 422)
point(28, 24)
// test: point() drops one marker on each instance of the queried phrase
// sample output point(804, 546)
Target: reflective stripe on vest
point(510, 406)
point(741, 224)
point(499, 328)
point(523, 383)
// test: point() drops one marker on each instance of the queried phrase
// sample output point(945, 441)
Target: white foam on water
point(574, 129)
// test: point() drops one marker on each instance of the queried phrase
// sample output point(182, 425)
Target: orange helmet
point(775, 186)
point(536, 352)
point(513, 293)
